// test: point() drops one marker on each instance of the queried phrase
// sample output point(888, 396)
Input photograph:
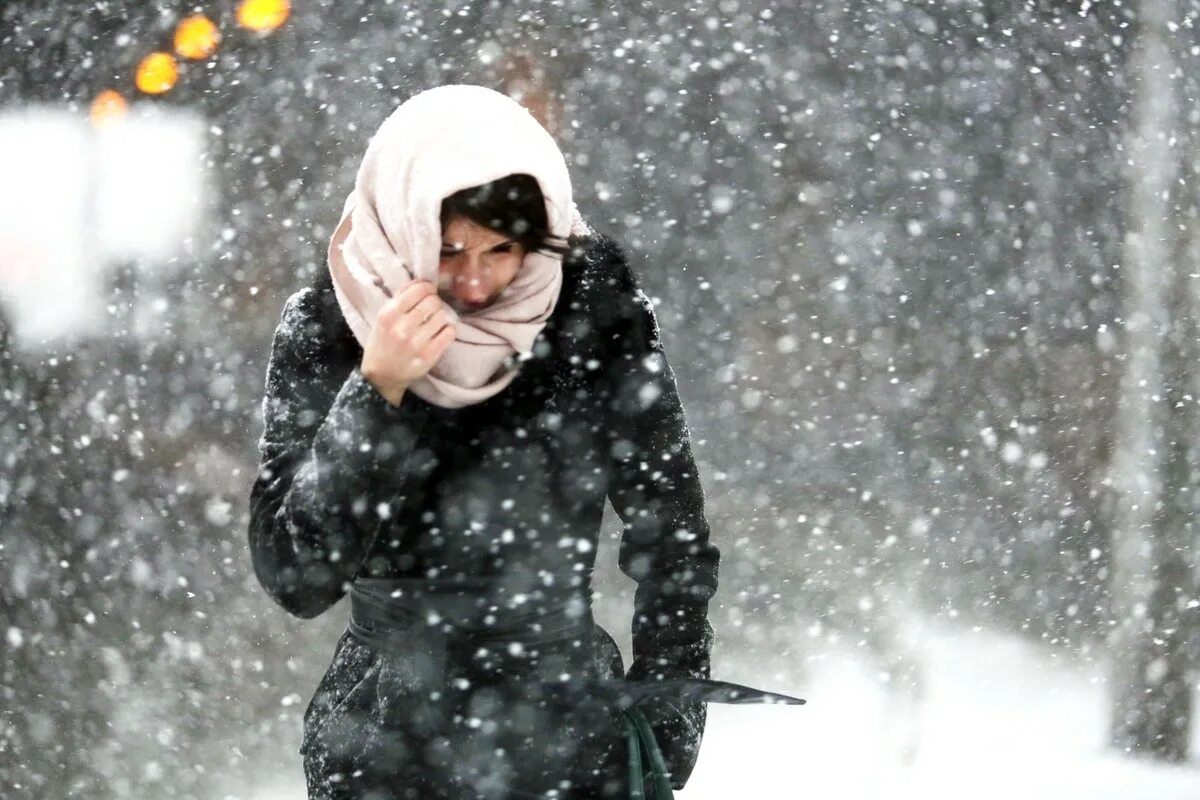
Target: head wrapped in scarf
point(434, 144)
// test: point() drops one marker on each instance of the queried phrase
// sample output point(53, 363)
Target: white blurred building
point(75, 199)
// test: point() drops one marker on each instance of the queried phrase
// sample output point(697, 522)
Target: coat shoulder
point(323, 307)
point(312, 335)
point(601, 280)
point(596, 257)
point(610, 288)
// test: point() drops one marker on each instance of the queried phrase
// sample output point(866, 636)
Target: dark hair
point(512, 205)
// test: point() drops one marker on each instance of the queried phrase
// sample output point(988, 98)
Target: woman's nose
point(470, 283)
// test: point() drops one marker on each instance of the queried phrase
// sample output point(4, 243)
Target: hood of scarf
point(435, 143)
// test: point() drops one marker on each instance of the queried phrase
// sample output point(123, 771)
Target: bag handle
point(638, 734)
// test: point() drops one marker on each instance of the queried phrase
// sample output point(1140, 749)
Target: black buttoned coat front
point(350, 487)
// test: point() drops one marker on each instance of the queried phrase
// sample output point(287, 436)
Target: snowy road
point(1002, 719)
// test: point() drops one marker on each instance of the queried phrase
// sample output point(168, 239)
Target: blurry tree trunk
point(1152, 470)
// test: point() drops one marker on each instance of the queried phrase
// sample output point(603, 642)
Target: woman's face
point(477, 264)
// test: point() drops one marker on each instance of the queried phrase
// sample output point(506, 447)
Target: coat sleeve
point(655, 489)
point(332, 456)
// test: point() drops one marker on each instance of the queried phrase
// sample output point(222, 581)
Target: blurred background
point(928, 274)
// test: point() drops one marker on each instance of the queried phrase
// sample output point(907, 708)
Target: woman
point(447, 410)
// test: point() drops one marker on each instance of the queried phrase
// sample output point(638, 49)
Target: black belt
point(395, 614)
point(399, 614)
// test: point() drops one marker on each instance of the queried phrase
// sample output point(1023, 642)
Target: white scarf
point(434, 144)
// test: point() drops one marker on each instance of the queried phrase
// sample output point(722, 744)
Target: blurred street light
point(196, 37)
point(157, 73)
point(109, 106)
point(263, 15)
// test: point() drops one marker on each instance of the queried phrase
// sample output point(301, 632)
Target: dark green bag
point(638, 735)
point(614, 690)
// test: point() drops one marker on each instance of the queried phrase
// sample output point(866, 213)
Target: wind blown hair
point(512, 205)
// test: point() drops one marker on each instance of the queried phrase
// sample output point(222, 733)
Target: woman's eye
point(503, 248)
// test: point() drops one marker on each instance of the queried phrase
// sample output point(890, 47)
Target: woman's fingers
point(405, 325)
point(425, 308)
point(411, 333)
point(406, 300)
point(427, 330)
point(431, 349)
point(437, 346)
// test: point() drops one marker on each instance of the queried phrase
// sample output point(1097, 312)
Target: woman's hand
point(412, 331)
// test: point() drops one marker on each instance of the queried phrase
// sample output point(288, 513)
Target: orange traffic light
point(263, 15)
point(196, 37)
point(157, 73)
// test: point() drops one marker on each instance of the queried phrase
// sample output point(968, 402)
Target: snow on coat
point(350, 486)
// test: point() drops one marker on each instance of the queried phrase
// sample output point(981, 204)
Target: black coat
point(350, 487)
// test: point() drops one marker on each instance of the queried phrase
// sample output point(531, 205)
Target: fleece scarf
point(435, 143)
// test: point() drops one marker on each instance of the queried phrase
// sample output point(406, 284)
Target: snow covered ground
point(1001, 718)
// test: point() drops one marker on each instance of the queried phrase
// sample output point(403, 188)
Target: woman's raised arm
point(332, 456)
